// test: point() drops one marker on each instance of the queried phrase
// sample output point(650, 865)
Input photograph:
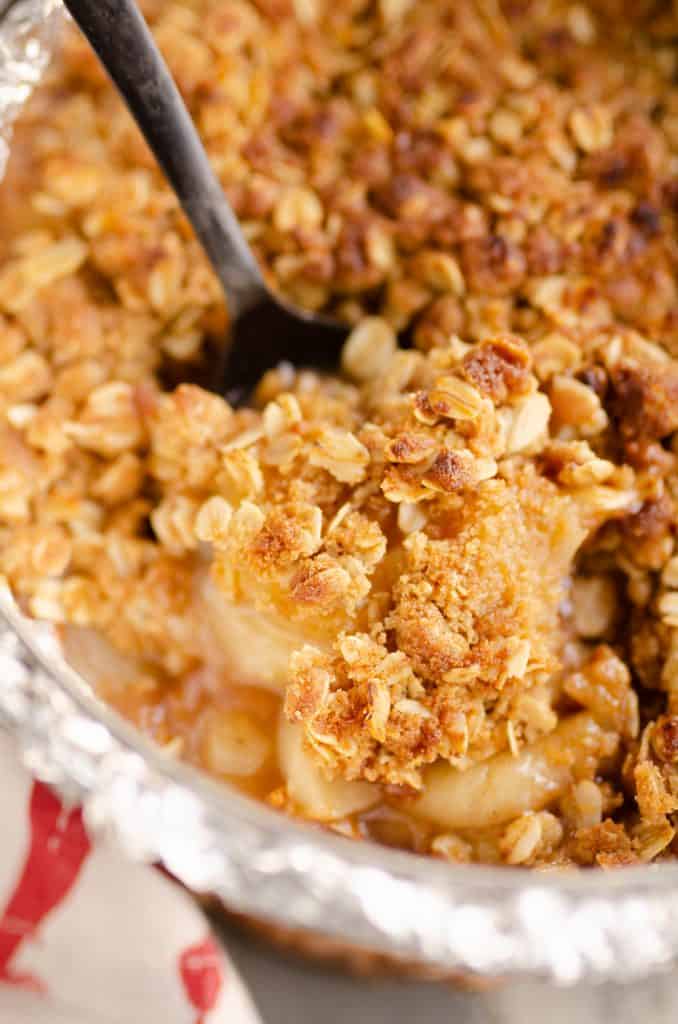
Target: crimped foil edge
point(27, 34)
point(479, 920)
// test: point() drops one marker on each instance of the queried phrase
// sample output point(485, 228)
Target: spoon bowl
point(264, 330)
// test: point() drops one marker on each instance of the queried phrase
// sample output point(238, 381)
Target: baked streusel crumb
point(432, 599)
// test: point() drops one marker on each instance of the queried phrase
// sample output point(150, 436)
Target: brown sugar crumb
point(444, 561)
point(449, 472)
point(410, 448)
point(608, 845)
point(646, 399)
point(500, 368)
point(665, 738)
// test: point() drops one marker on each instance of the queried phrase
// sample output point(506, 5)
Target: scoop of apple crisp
point(411, 532)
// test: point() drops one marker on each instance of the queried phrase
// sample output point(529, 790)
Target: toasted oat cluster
point(431, 600)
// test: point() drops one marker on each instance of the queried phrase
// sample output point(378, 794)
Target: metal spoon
point(264, 329)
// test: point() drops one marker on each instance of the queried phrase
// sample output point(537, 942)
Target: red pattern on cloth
point(201, 974)
point(58, 847)
point(89, 935)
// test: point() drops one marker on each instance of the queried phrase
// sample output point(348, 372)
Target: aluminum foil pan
point(483, 921)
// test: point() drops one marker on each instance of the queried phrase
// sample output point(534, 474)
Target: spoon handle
point(120, 37)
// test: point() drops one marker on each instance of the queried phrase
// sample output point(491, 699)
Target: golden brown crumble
point(453, 564)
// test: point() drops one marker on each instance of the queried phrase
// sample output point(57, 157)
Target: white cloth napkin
point(86, 936)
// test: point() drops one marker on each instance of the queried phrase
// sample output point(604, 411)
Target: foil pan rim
point(485, 921)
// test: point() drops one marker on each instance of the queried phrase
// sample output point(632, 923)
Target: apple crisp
point(432, 599)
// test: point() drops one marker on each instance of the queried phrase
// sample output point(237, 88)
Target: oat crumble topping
point(431, 600)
